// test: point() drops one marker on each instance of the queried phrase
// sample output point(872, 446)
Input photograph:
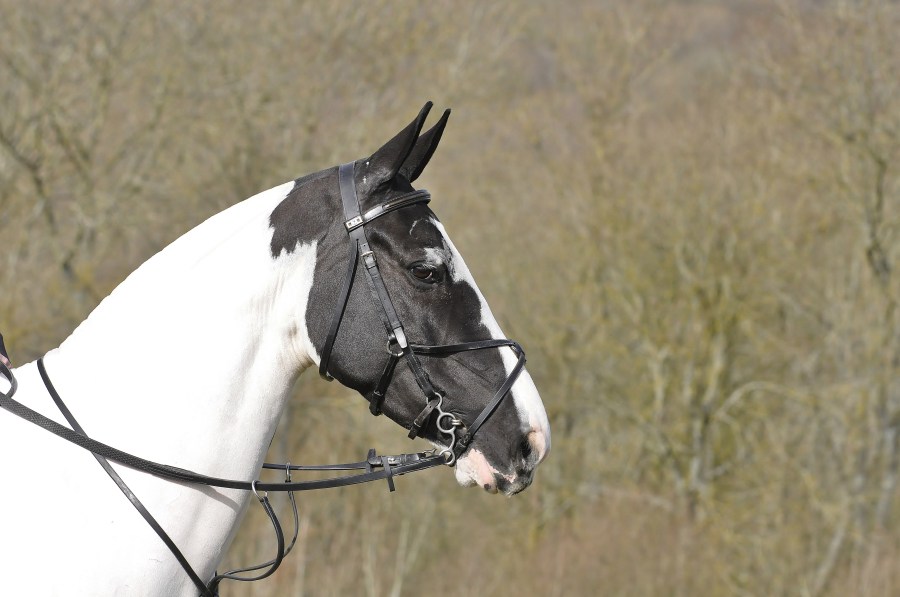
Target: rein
point(376, 467)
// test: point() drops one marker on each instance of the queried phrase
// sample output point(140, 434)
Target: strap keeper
point(375, 404)
point(388, 472)
point(417, 425)
point(400, 338)
point(353, 223)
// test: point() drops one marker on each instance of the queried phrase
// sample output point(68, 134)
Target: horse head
point(408, 327)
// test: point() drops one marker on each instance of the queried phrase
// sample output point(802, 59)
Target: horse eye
point(423, 272)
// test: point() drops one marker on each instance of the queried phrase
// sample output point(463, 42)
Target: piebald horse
point(191, 359)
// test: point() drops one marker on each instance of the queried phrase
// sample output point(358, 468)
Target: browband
point(420, 196)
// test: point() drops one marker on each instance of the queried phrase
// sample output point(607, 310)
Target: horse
point(191, 360)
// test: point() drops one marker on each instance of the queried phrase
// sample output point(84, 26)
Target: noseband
point(459, 436)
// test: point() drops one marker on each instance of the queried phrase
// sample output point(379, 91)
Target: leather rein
point(376, 467)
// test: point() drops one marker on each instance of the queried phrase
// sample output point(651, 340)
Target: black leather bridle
point(376, 467)
point(447, 423)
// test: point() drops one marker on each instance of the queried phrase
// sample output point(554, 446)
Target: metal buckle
point(399, 338)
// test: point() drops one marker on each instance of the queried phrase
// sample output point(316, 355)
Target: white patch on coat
point(202, 342)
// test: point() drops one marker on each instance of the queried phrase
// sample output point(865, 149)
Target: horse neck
point(200, 344)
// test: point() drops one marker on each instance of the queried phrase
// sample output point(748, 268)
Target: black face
point(432, 292)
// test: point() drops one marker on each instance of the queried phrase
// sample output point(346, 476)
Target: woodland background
point(688, 212)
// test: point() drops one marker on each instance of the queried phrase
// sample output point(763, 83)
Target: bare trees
point(694, 234)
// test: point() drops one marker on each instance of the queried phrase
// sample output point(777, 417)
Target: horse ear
point(423, 150)
point(386, 162)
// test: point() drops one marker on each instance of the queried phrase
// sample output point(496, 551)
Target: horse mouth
point(511, 488)
point(473, 468)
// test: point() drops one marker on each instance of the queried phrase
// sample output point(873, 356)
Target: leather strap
point(381, 389)
point(420, 196)
point(422, 418)
point(391, 466)
point(354, 223)
point(358, 237)
point(272, 565)
point(6, 372)
point(488, 410)
point(412, 462)
point(120, 483)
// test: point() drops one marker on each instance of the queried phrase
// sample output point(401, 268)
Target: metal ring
point(453, 420)
point(450, 458)
point(287, 472)
point(256, 493)
point(391, 352)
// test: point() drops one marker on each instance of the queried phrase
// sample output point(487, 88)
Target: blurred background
point(688, 213)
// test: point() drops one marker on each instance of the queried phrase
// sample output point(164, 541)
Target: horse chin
point(473, 468)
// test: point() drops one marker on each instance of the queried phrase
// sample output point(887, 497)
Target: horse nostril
point(526, 449)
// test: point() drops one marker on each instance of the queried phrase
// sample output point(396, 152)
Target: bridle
point(459, 435)
point(376, 467)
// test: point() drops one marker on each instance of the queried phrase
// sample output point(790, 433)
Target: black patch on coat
point(307, 212)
